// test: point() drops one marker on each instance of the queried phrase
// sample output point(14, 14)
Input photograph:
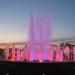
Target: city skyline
point(14, 18)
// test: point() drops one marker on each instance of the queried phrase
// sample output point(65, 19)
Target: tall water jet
point(6, 52)
point(13, 56)
point(25, 52)
point(67, 52)
point(50, 54)
point(39, 32)
point(58, 53)
point(74, 53)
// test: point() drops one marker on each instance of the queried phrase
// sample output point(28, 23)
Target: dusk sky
point(14, 18)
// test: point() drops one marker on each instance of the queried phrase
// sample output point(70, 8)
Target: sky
point(14, 18)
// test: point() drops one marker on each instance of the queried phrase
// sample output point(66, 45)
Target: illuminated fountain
point(74, 53)
point(37, 46)
point(25, 52)
point(39, 33)
point(67, 52)
point(13, 56)
point(59, 54)
point(51, 54)
point(6, 52)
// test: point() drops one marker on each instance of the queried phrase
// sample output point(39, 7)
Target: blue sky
point(14, 18)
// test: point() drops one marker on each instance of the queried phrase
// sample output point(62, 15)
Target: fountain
point(39, 33)
point(74, 53)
